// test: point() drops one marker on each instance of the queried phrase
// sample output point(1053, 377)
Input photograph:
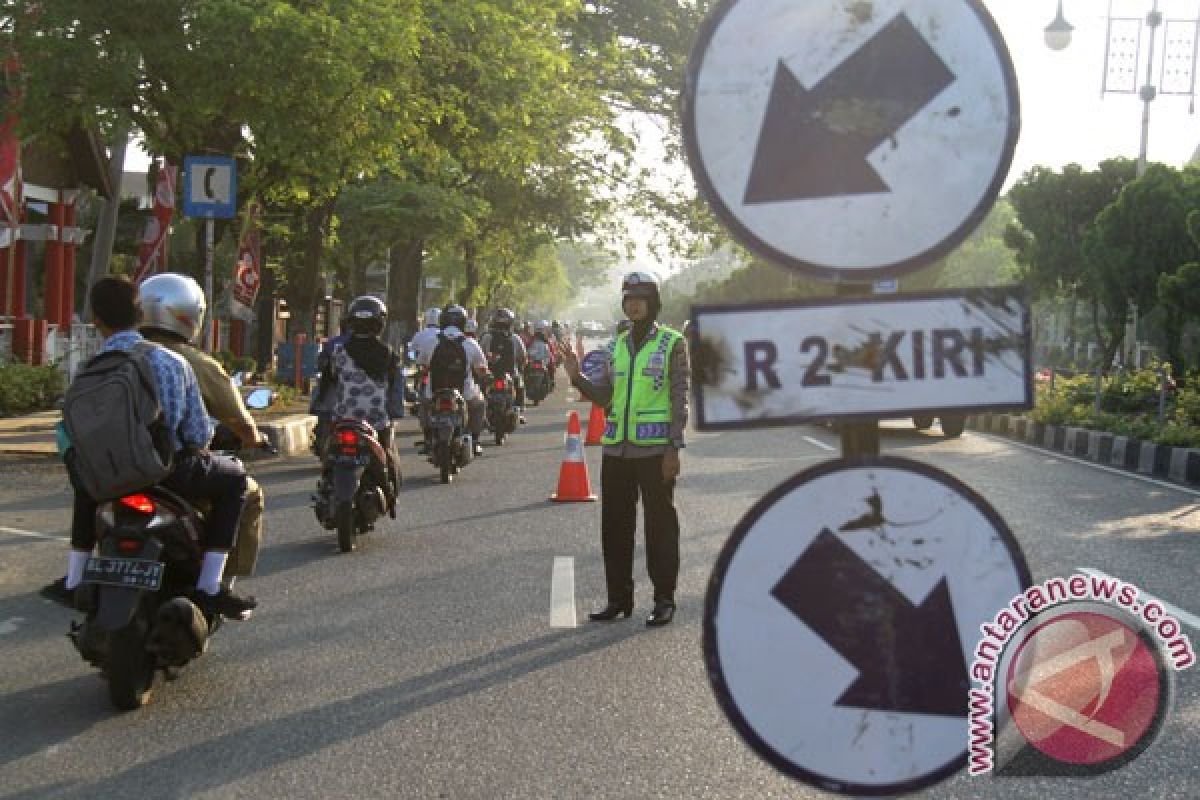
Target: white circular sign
point(841, 617)
point(851, 139)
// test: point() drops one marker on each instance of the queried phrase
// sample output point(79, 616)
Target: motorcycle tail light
point(138, 502)
point(445, 404)
point(129, 546)
point(500, 384)
point(347, 438)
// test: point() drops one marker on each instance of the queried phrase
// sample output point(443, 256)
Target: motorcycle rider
point(452, 320)
point(197, 474)
point(365, 381)
point(172, 311)
point(423, 342)
point(543, 349)
point(509, 351)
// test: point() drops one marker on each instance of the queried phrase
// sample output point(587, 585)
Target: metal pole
point(1148, 92)
point(858, 438)
point(209, 315)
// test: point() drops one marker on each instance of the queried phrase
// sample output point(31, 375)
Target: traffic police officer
point(645, 388)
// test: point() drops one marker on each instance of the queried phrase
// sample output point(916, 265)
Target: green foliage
point(234, 364)
point(24, 388)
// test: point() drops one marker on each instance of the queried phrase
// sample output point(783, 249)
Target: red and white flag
point(247, 273)
point(152, 256)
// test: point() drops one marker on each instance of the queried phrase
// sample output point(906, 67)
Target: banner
point(152, 256)
point(247, 274)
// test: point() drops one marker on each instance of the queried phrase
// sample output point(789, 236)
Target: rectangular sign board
point(888, 356)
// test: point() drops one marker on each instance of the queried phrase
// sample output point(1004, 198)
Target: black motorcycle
point(357, 484)
point(452, 446)
point(501, 408)
point(538, 381)
point(137, 591)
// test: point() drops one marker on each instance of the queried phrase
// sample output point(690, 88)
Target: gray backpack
point(119, 439)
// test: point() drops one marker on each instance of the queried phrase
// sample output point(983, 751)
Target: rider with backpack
point(135, 418)
point(456, 362)
point(506, 353)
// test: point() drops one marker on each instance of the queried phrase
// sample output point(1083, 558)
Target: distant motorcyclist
point(422, 345)
point(471, 329)
point(453, 319)
point(364, 380)
point(506, 353)
point(543, 348)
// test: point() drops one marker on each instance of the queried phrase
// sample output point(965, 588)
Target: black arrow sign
point(814, 143)
point(909, 658)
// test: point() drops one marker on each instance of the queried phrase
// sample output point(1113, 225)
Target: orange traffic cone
point(596, 423)
point(573, 483)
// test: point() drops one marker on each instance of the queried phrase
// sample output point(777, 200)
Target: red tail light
point(347, 438)
point(445, 404)
point(500, 384)
point(129, 546)
point(138, 502)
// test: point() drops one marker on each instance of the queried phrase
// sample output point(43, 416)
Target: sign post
point(209, 191)
point(855, 142)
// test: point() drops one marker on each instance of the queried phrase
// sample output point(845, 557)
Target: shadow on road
point(306, 732)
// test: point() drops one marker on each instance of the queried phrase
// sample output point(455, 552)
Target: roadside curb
point(1175, 464)
point(289, 435)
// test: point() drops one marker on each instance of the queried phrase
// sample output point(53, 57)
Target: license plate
point(133, 573)
point(359, 460)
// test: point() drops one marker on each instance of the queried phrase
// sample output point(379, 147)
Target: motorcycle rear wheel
point(442, 459)
point(345, 526)
point(129, 667)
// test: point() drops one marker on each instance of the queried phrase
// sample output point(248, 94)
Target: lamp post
point(1177, 70)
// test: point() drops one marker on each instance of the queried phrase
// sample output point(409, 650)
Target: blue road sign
point(593, 363)
point(209, 187)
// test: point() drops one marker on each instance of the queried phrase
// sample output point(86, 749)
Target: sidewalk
point(33, 434)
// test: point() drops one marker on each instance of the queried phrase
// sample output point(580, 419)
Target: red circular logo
point(1084, 688)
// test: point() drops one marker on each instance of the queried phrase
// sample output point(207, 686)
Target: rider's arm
point(395, 389)
point(520, 354)
point(223, 400)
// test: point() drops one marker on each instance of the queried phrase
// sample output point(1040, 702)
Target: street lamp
point(1058, 32)
point(1122, 57)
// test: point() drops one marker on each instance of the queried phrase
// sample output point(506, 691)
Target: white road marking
point(818, 443)
point(1056, 454)
point(562, 593)
point(1175, 611)
point(10, 625)
point(34, 534)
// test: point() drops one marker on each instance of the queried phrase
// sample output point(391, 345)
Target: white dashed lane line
point(562, 593)
point(54, 537)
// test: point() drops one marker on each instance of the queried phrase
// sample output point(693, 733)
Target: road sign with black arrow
point(836, 619)
point(850, 140)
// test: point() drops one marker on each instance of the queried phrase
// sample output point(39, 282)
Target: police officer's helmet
point(453, 316)
point(366, 316)
point(173, 303)
point(503, 320)
point(639, 284)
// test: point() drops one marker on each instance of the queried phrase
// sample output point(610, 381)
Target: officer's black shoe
point(612, 611)
point(663, 613)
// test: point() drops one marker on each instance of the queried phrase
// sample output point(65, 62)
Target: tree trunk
point(303, 283)
point(471, 262)
point(405, 270)
point(265, 321)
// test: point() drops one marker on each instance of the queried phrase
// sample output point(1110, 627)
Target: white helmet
point(543, 326)
point(432, 315)
point(471, 327)
point(173, 303)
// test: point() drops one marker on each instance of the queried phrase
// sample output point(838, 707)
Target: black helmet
point(503, 320)
point(366, 316)
point(453, 316)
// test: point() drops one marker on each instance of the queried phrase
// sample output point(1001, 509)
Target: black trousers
point(622, 480)
point(219, 479)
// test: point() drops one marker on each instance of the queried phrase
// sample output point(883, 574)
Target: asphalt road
point(424, 665)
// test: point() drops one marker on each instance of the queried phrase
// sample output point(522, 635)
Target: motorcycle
point(452, 446)
point(538, 381)
point(136, 592)
point(501, 408)
point(357, 485)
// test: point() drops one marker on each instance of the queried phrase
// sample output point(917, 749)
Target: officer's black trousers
point(622, 480)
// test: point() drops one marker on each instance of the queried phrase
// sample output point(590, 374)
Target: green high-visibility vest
point(641, 403)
